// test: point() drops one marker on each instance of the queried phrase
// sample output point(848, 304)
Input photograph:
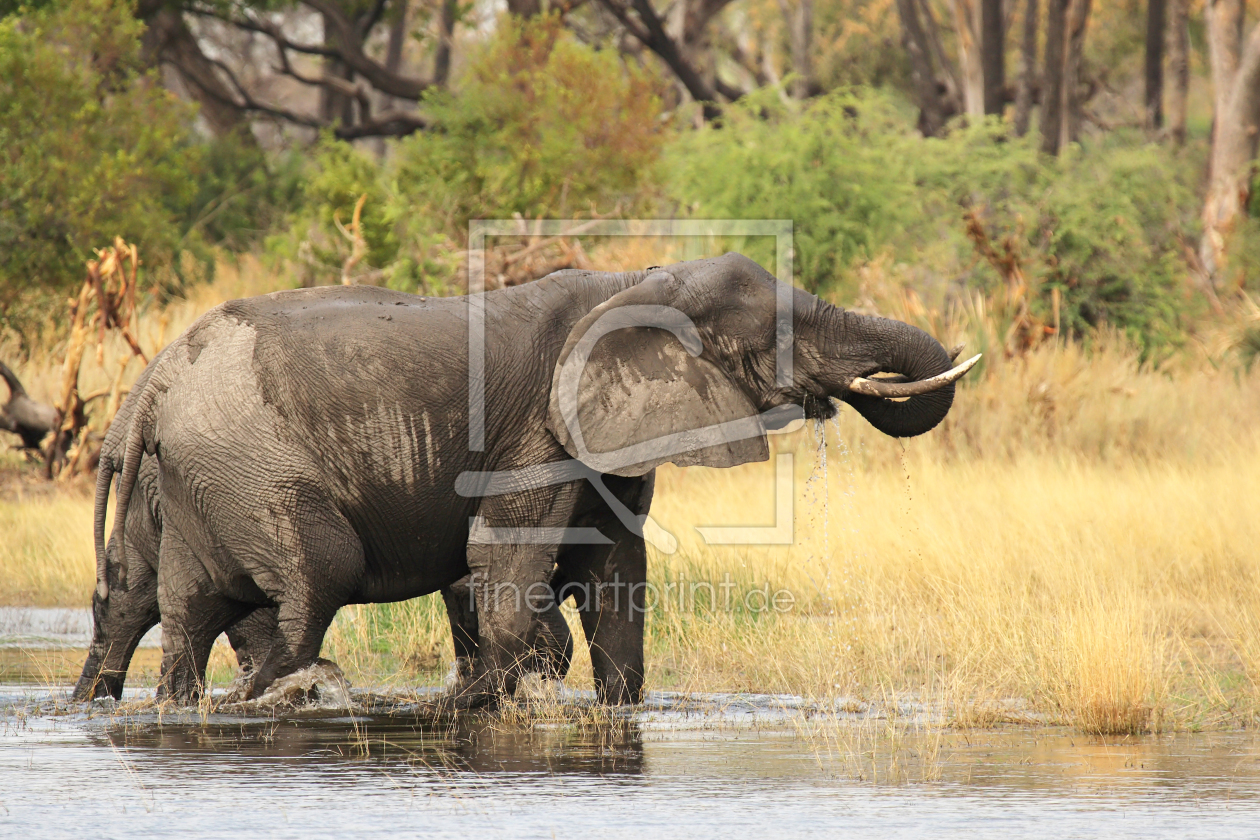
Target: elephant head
point(30, 420)
point(693, 364)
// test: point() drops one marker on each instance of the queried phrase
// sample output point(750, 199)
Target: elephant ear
point(631, 391)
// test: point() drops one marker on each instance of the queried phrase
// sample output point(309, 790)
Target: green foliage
point(539, 124)
point(1105, 223)
point(90, 148)
point(1112, 223)
point(237, 193)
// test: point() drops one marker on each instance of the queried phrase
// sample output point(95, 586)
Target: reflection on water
point(479, 746)
point(680, 769)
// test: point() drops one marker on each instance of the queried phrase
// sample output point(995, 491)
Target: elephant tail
point(104, 476)
point(137, 442)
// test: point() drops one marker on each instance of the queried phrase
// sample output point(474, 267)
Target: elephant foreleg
point(606, 583)
point(511, 557)
point(551, 644)
point(461, 611)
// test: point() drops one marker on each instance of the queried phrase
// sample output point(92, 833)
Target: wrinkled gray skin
point(120, 621)
point(26, 418)
point(309, 443)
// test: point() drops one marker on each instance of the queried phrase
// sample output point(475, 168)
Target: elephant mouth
point(819, 408)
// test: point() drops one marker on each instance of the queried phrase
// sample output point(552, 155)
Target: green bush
point(1105, 223)
point(90, 148)
point(539, 124)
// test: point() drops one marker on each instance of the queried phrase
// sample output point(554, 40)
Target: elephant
point(336, 445)
point(28, 419)
point(121, 621)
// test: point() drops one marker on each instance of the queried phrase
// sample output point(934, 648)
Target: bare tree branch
point(650, 30)
point(388, 124)
point(262, 27)
point(373, 17)
point(350, 51)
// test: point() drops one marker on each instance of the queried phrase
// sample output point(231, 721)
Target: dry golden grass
point(46, 549)
point(1076, 543)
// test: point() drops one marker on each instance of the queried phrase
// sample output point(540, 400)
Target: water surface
point(680, 767)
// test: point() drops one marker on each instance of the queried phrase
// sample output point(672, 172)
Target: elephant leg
point(552, 649)
point(608, 585)
point(118, 625)
point(318, 582)
point(511, 556)
point(252, 638)
point(461, 611)
point(551, 645)
point(194, 613)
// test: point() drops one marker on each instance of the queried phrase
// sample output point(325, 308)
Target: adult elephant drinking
point(311, 445)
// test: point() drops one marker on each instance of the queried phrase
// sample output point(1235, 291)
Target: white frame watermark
point(592, 466)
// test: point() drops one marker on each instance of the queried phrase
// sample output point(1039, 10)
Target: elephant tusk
point(898, 390)
point(954, 353)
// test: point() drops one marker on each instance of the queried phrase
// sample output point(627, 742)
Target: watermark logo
point(592, 466)
point(679, 595)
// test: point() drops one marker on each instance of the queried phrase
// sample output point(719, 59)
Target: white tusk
point(897, 390)
point(954, 353)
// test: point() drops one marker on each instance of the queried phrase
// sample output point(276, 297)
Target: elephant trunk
point(899, 348)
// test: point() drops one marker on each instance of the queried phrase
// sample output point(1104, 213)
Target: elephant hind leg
point(321, 576)
point(194, 613)
point(253, 637)
point(302, 626)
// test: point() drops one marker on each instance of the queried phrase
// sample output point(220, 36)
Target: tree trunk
point(1224, 19)
point(524, 8)
point(397, 37)
point(393, 62)
point(334, 105)
point(993, 56)
point(967, 27)
point(1052, 79)
point(1073, 102)
point(947, 74)
point(1155, 11)
point(1178, 68)
point(800, 24)
point(442, 60)
point(914, 39)
point(1027, 69)
point(1235, 129)
point(168, 39)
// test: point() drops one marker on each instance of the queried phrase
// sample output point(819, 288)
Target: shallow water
point(53, 628)
point(680, 767)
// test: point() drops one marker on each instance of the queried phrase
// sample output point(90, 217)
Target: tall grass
point(1076, 543)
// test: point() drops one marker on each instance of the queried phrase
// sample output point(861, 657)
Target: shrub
point(90, 148)
point(1105, 224)
point(539, 124)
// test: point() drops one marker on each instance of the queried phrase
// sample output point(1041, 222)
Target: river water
point(679, 766)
